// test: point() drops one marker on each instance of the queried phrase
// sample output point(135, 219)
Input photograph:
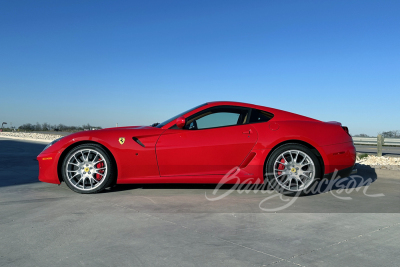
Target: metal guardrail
point(374, 141)
point(379, 142)
point(392, 142)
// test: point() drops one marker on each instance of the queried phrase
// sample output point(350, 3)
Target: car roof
point(281, 114)
point(241, 104)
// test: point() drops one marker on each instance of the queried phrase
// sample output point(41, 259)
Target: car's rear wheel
point(292, 169)
point(87, 169)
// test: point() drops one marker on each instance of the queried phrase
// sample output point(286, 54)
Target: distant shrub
point(361, 135)
point(391, 134)
point(48, 127)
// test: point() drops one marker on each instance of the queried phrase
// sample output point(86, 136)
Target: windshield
point(177, 116)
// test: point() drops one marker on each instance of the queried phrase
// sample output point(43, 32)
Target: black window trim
point(215, 107)
point(250, 110)
point(248, 119)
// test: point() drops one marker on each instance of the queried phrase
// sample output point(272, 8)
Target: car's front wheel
point(87, 169)
point(292, 169)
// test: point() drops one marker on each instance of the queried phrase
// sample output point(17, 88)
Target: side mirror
point(180, 122)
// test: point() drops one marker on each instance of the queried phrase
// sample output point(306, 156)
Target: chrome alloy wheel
point(86, 169)
point(294, 170)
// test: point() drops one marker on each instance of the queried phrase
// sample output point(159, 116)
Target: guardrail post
point(379, 144)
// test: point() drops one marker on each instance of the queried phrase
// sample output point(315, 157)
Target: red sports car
point(203, 145)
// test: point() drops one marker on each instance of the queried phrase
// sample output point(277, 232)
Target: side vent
point(247, 160)
point(138, 141)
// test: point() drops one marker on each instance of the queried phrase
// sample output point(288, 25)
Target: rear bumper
point(339, 158)
point(48, 167)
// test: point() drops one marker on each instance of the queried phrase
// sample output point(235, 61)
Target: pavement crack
point(345, 241)
point(279, 259)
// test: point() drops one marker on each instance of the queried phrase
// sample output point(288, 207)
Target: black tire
point(283, 189)
point(106, 180)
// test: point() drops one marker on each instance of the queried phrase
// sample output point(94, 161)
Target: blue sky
point(139, 62)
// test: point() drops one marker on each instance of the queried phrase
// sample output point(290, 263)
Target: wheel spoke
point(76, 159)
point(298, 178)
point(290, 152)
point(305, 176)
point(83, 156)
point(297, 155)
point(304, 158)
point(288, 179)
point(280, 175)
point(73, 176)
point(95, 156)
point(79, 180)
point(98, 162)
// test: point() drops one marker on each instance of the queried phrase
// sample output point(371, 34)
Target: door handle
point(247, 132)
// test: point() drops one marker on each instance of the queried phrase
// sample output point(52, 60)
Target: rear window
point(260, 116)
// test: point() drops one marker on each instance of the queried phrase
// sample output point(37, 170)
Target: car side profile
point(204, 145)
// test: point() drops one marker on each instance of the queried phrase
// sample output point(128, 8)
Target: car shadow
point(365, 177)
point(18, 164)
point(126, 187)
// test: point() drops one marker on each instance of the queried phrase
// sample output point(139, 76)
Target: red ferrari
point(203, 145)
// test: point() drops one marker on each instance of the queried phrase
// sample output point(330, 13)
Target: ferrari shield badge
point(121, 140)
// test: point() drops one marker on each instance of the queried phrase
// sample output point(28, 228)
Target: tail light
point(346, 129)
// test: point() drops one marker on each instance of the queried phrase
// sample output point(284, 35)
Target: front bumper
point(48, 167)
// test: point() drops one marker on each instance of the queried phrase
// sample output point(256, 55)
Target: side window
point(217, 120)
point(217, 117)
point(260, 116)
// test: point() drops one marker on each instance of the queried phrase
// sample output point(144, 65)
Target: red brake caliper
point(281, 166)
point(99, 165)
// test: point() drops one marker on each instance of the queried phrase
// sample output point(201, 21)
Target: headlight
point(52, 143)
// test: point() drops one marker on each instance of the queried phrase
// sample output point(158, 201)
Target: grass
point(362, 155)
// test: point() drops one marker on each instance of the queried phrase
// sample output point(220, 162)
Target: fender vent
point(138, 141)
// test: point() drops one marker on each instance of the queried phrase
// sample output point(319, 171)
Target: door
point(213, 142)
